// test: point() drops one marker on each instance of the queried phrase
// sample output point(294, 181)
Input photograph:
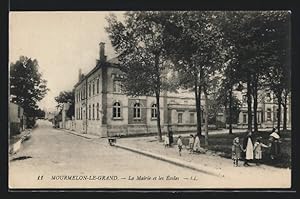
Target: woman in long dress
point(248, 148)
point(197, 147)
point(274, 144)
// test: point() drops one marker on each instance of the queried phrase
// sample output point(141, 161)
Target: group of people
point(254, 151)
point(194, 143)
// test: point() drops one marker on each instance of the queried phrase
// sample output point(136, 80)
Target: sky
point(62, 43)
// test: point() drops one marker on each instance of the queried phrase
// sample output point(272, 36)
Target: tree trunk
point(249, 103)
point(158, 116)
point(230, 111)
point(255, 107)
point(284, 128)
point(198, 106)
point(157, 95)
point(206, 117)
point(279, 113)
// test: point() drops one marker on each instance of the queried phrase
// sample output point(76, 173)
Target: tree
point(278, 76)
point(193, 43)
point(66, 97)
point(139, 44)
point(26, 85)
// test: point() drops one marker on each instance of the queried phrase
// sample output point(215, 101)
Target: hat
point(235, 139)
point(275, 135)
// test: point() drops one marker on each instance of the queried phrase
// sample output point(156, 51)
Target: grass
point(222, 143)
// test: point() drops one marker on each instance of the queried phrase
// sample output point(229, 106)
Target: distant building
point(266, 110)
point(17, 119)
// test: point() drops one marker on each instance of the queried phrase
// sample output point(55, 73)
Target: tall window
point(269, 114)
point(268, 97)
point(93, 88)
point(81, 113)
point(97, 86)
point(19, 112)
point(89, 112)
point(97, 110)
point(136, 111)
point(93, 111)
point(84, 95)
point(244, 118)
point(179, 118)
point(153, 111)
point(89, 90)
point(192, 118)
point(244, 98)
point(117, 86)
point(116, 110)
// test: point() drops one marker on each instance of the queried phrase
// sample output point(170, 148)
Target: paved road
point(57, 159)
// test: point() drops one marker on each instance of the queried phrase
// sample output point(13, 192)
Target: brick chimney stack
point(102, 56)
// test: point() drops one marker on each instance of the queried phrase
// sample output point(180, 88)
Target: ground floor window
point(97, 110)
point(93, 111)
point(136, 111)
point(192, 118)
point(116, 110)
point(89, 112)
point(153, 111)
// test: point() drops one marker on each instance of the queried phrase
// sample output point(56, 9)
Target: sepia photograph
point(150, 100)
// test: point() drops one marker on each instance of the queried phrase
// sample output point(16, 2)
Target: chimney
point(79, 74)
point(102, 56)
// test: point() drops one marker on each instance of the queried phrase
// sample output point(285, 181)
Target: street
point(54, 158)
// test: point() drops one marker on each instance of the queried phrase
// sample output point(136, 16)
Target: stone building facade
point(102, 109)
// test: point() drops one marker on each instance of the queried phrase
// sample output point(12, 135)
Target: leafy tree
point(139, 42)
point(253, 36)
point(193, 43)
point(278, 76)
point(26, 85)
point(66, 97)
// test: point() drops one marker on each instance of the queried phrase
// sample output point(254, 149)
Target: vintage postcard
point(150, 99)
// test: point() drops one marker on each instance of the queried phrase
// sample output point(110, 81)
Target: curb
point(80, 135)
point(174, 161)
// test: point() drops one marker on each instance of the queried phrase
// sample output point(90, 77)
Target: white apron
point(249, 150)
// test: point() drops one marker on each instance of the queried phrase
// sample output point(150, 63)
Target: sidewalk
point(211, 163)
point(87, 136)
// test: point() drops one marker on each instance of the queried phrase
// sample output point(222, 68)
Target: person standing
point(236, 151)
point(197, 147)
point(248, 148)
point(179, 144)
point(274, 144)
point(170, 135)
point(166, 141)
point(191, 143)
point(258, 145)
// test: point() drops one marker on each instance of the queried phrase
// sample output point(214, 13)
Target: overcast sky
point(62, 42)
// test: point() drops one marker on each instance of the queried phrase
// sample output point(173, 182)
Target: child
point(179, 144)
point(191, 143)
point(258, 150)
point(236, 151)
point(167, 141)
